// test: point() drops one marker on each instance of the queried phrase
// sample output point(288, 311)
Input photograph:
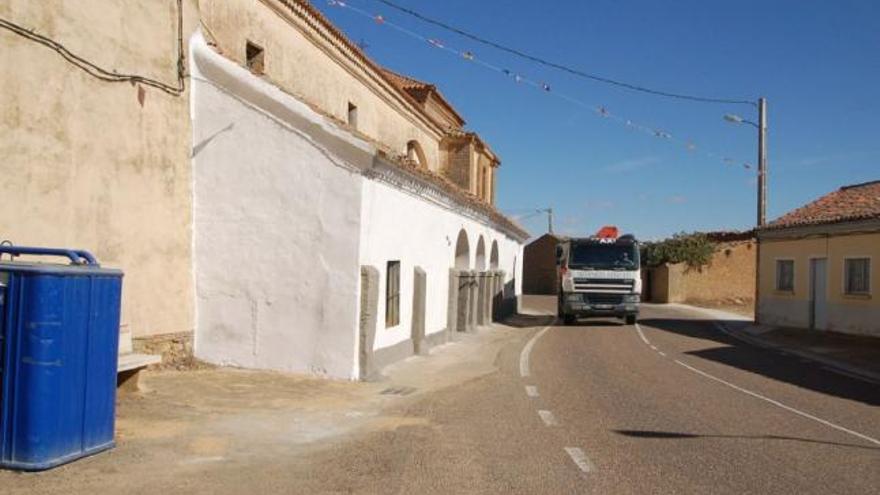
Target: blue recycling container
point(59, 340)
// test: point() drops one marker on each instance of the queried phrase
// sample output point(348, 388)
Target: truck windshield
point(604, 256)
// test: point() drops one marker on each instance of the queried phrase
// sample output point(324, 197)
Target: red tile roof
point(849, 203)
point(419, 90)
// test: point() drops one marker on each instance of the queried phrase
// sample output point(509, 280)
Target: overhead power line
point(99, 72)
point(564, 68)
point(543, 86)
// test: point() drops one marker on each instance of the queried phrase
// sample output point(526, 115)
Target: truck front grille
point(605, 285)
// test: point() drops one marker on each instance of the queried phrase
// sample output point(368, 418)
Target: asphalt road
point(672, 405)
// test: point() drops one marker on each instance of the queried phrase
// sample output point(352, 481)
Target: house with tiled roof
point(819, 264)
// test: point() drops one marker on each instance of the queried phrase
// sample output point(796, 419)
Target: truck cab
point(599, 276)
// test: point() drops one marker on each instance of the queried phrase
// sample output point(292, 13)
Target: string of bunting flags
point(600, 110)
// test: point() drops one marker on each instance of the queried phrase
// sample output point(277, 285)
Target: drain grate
point(398, 391)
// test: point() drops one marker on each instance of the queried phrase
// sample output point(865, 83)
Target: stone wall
point(176, 349)
point(729, 278)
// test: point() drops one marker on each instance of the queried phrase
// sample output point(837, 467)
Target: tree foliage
point(694, 249)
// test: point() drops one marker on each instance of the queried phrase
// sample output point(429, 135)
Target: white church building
point(342, 216)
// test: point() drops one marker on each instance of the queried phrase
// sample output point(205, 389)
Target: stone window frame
point(847, 289)
point(392, 293)
point(778, 284)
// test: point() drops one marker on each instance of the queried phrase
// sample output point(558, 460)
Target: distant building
point(539, 265)
point(819, 264)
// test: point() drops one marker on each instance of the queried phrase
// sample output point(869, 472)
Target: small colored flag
point(604, 112)
point(517, 78)
point(436, 42)
point(379, 19)
point(468, 55)
point(545, 86)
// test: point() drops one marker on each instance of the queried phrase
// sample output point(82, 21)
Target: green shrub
point(694, 249)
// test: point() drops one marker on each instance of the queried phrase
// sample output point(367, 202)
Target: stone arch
point(415, 153)
point(493, 256)
point(480, 259)
point(462, 251)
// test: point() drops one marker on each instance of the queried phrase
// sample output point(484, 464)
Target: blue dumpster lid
point(57, 269)
point(82, 262)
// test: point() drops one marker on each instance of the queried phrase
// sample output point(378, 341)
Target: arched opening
point(462, 251)
point(480, 261)
point(493, 256)
point(415, 153)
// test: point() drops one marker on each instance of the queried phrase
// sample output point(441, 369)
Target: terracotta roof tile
point(419, 90)
point(849, 203)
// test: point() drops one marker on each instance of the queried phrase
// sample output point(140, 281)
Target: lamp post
point(761, 125)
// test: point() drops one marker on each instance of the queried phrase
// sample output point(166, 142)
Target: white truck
point(599, 276)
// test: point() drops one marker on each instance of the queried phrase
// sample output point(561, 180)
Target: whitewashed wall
point(276, 220)
point(283, 219)
point(397, 225)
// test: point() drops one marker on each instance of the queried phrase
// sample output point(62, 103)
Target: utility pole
point(762, 161)
point(550, 220)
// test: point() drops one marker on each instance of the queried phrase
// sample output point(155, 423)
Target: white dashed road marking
point(531, 390)
point(527, 350)
point(781, 405)
point(580, 459)
point(642, 335)
point(548, 418)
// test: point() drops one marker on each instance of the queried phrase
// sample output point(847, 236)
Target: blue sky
point(817, 62)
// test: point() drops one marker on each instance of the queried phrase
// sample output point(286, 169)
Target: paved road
point(670, 406)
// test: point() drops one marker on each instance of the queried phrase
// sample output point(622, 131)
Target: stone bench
point(130, 363)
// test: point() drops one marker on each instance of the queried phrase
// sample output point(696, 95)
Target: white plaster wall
point(276, 223)
point(397, 225)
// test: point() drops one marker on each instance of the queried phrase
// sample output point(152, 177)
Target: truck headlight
point(631, 298)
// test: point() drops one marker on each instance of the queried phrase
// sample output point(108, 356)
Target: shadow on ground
point(529, 321)
point(670, 435)
point(766, 362)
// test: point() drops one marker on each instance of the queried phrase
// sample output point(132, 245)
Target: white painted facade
point(287, 207)
point(397, 225)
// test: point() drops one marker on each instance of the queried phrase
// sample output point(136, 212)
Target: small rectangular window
point(254, 58)
point(392, 294)
point(352, 115)
point(857, 275)
point(785, 275)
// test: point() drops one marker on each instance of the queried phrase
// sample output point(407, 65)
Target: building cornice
point(431, 188)
point(821, 230)
point(347, 55)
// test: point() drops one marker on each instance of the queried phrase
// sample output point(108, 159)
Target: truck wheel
point(630, 319)
point(569, 320)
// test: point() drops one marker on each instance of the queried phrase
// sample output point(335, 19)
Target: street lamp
point(761, 125)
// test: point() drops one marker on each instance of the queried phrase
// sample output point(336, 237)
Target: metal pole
point(550, 220)
point(762, 161)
